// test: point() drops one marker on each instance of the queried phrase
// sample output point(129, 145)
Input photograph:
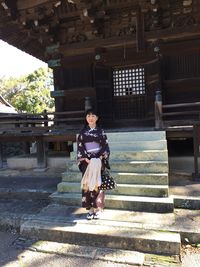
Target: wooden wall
point(175, 71)
point(181, 72)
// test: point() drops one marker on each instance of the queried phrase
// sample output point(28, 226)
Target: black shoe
point(90, 216)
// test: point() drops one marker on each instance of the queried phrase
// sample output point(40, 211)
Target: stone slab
point(134, 145)
point(124, 177)
point(121, 189)
point(158, 155)
point(134, 166)
point(186, 202)
point(149, 204)
point(103, 235)
point(137, 135)
point(112, 255)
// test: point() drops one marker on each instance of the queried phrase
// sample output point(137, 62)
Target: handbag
point(108, 182)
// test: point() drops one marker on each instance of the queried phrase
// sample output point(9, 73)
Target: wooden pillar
point(88, 103)
point(1, 155)
point(196, 143)
point(158, 111)
point(140, 38)
point(45, 118)
point(26, 147)
point(41, 154)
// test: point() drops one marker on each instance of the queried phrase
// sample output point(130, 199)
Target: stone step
point(124, 177)
point(134, 145)
point(185, 202)
point(134, 166)
point(121, 189)
point(158, 155)
point(94, 234)
point(136, 136)
point(134, 203)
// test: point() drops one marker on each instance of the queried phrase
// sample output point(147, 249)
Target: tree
point(29, 93)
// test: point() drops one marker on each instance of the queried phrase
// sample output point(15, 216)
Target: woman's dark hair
point(94, 112)
point(91, 111)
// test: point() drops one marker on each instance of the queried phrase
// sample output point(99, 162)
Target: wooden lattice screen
point(129, 81)
point(129, 92)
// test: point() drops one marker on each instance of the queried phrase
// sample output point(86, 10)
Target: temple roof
point(5, 107)
point(35, 25)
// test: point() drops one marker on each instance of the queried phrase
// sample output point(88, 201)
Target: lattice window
point(129, 81)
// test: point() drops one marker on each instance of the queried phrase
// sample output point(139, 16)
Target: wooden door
point(104, 91)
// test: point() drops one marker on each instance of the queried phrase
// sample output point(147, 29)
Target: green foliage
point(29, 93)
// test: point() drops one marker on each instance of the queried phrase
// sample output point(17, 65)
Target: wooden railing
point(42, 122)
point(39, 128)
point(180, 114)
point(183, 114)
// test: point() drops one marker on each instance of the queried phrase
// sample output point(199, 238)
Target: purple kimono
point(92, 143)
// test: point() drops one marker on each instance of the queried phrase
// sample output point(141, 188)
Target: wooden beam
point(88, 47)
point(27, 4)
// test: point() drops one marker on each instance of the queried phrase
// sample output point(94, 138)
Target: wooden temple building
point(137, 61)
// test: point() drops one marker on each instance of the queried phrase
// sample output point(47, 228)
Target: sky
point(15, 63)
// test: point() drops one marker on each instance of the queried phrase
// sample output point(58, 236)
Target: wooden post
point(41, 154)
point(88, 103)
point(196, 145)
point(1, 155)
point(26, 147)
point(158, 111)
point(140, 38)
point(45, 118)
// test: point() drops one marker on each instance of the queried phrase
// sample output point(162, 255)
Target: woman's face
point(91, 120)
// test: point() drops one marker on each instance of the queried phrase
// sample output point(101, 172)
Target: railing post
point(196, 142)
point(41, 153)
point(88, 103)
point(158, 111)
point(1, 155)
point(45, 118)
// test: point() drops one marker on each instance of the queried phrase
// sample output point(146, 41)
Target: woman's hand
point(87, 160)
point(84, 159)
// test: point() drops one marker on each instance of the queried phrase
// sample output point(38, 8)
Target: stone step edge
point(124, 185)
point(184, 232)
point(192, 235)
point(124, 141)
point(161, 241)
point(128, 178)
point(168, 200)
point(122, 173)
point(135, 151)
point(131, 162)
point(136, 145)
point(186, 202)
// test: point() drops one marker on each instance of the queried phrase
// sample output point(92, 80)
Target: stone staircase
point(139, 163)
point(138, 212)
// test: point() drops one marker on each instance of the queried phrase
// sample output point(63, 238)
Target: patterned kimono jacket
point(92, 143)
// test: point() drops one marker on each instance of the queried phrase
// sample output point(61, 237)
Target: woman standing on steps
point(91, 151)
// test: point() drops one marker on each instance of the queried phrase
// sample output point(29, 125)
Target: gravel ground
point(190, 256)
